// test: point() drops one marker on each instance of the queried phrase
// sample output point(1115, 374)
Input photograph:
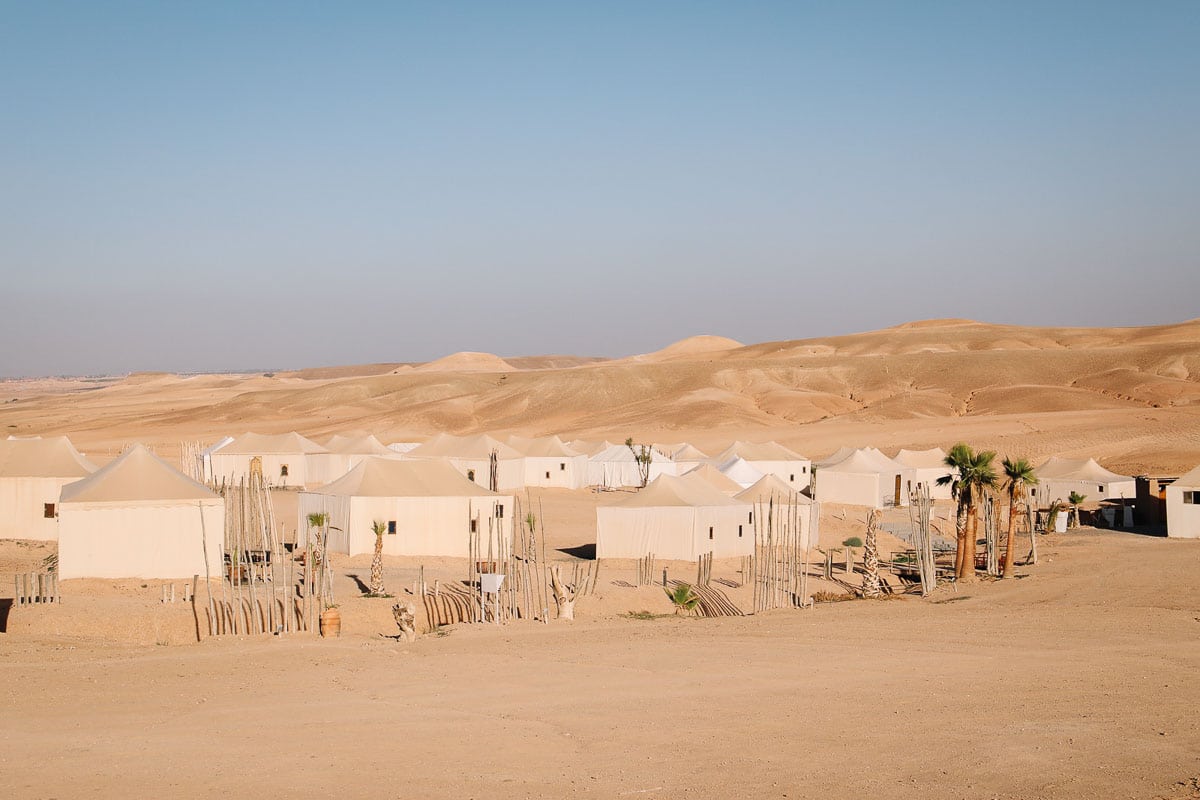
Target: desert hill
point(1129, 396)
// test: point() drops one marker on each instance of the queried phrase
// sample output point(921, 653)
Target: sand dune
point(467, 362)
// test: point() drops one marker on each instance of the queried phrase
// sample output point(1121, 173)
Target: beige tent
point(928, 467)
point(1183, 506)
point(1058, 477)
point(286, 460)
point(769, 457)
point(685, 456)
point(549, 462)
point(428, 508)
point(715, 478)
point(32, 472)
point(674, 518)
point(139, 517)
point(345, 452)
point(471, 455)
point(616, 466)
point(772, 495)
point(865, 477)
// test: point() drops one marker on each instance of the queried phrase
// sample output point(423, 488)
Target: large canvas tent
point(742, 472)
point(770, 457)
point(428, 508)
point(1058, 477)
point(286, 460)
point(345, 452)
point(772, 496)
point(928, 467)
point(616, 466)
point(32, 473)
point(139, 517)
point(864, 477)
point(1183, 506)
point(715, 478)
point(471, 456)
point(549, 462)
point(674, 518)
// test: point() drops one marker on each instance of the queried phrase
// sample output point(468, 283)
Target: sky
point(194, 186)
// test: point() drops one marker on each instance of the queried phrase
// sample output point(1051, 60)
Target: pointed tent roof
point(589, 448)
point(688, 452)
point(136, 475)
point(53, 457)
point(621, 452)
point(741, 472)
point(389, 477)
point(757, 451)
point(672, 491)
point(922, 459)
point(838, 455)
point(716, 478)
point(866, 460)
point(479, 446)
point(366, 445)
point(543, 447)
point(254, 444)
point(771, 485)
point(1077, 469)
point(1190, 478)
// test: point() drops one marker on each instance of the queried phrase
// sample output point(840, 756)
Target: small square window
point(48, 510)
point(792, 478)
point(392, 526)
point(283, 472)
point(1189, 498)
point(710, 532)
point(562, 467)
point(1100, 489)
point(804, 469)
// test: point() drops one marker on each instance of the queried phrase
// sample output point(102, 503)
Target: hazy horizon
point(200, 188)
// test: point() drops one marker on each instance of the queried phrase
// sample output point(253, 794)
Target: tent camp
point(1058, 477)
point(345, 452)
point(770, 457)
point(675, 518)
point(284, 458)
point(865, 477)
point(772, 495)
point(686, 456)
point(742, 472)
point(549, 462)
point(428, 508)
point(32, 471)
point(928, 466)
point(471, 456)
point(1183, 506)
point(715, 478)
point(616, 467)
point(139, 517)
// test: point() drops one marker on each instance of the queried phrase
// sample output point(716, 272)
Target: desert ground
point(1076, 679)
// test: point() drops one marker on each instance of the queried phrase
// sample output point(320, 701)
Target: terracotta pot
point(331, 622)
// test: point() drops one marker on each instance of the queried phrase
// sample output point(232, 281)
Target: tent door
point(896, 501)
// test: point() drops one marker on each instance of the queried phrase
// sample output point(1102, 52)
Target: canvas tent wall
point(286, 460)
point(203, 467)
point(1183, 506)
point(551, 463)
point(675, 519)
point(928, 467)
point(773, 458)
point(32, 473)
point(865, 477)
point(772, 496)
point(139, 517)
point(470, 455)
point(617, 467)
point(1058, 477)
point(426, 506)
point(741, 472)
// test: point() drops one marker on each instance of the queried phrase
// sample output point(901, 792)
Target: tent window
point(283, 473)
point(392, 526)
point(500, 511)
point(474, 525)
point(804, 470)
point(792, 477)
point(710, 532)
point(1100, 489)
point(547, 476)
point(471, 475)
point(1189, 498)
point(562, 467)
point(1033, 492)
point(751, 519)
point(48, 510)
point(739, 531)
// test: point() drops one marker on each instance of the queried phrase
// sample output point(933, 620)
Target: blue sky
point(206, 186)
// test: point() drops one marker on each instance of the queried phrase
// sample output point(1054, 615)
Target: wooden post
point(849, 561)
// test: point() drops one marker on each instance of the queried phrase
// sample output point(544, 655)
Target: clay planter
point(331, 622)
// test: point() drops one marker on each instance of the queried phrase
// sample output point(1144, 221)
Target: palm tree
point(683, 598)
point(320, 521)
point(1076, 500)
point(1017, 475)
point(975, 475)
point(380, 528)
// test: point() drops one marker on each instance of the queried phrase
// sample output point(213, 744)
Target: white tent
point(345, 452)
point(203, 469)
point(865, 477)
point(139, 517)
point(928, 467)
point(742, 472)
point(549, 462)
point(471, 456)
point(1058, 477)
point(403, 447)
point(715, 478)
point(428, 507)
point(285, 460)
point(616, 466)
point(1183, 506)
point(32, 472)
point(772, 495)
point(675, 519)
point(587, 447)
point(770, 457)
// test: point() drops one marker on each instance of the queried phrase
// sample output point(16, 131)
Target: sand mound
point(466, 361)
point(694, 345)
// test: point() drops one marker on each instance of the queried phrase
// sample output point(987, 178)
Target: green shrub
point(853, 541)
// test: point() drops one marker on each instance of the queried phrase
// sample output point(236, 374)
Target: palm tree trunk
point(1009, 540)
point(968, 565)
point(960, 539)
point(377, 567)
